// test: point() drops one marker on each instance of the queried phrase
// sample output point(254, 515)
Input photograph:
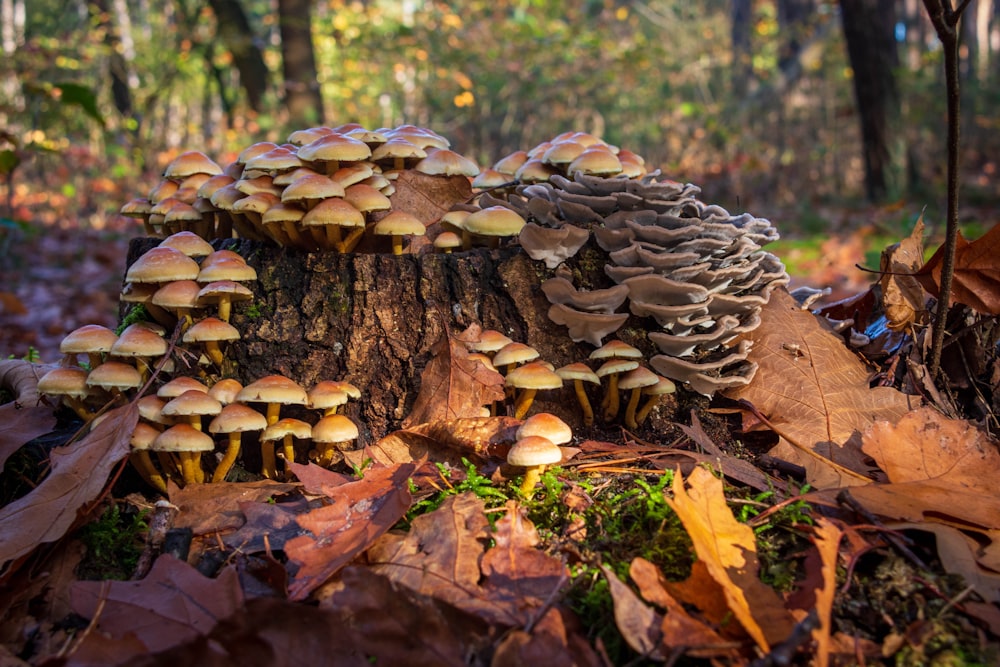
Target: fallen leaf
point(939, 469)
point(275, 521)
point(210, 508)
point(728, 549)
point(453, 386)
point(360, 512)
point(638, 623)
point(428, 197)
point(476, 438)
point(815, 394)
point(731, 466)
point(976, 280)
point(827, 541)
point(549, 643)
point(79, 473)
point(173, 604)
point(22, 420)
point(903, 296)
point(10, 304)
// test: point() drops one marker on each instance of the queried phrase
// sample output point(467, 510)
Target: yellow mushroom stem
point(531, 478)
point(333, 240)
point(646, 408)
point(352, 240)
point(523, 402)
point(633, 403)
point(228, 459)
point(581, 397)
point(214, 352)
point(190, 462)
point(326, 450)
point(269, 464)
point(225, 308)
point(397, 244)
point(78, 407)
point(611, 399)
point(95, 359)
point(288, 446)
point(143, 464)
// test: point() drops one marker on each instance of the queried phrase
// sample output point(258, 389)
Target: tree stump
point(374, 319)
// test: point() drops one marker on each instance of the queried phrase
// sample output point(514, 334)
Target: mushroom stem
point(523, 403)
point(611, 411)
point(397, 244)
point(225, 308)
point(289, 451)
point(646, 408)
point(352, 240)
point(188, 472)
point(269, 465)
point(79, 408)
point(228, 459)
point(581, 396)
point(214, 352)
point(531, 478)
point(143, 464)
point(633, 403)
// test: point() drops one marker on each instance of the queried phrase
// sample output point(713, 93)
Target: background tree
point(298, 64)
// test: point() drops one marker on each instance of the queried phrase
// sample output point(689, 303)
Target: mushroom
point(223, 293)
point(188, 443)
point(140, 343)
point(234, 420)
point(192, 405)
point(178, 386)
point(331, 433)
point(534, 453)
point(287, 430)
point(492, 223)
point(655, 393)
point(579, 373)
point(225, 391)
point(328, 395)
point(635, 380)
point(114, 377)
point(210, 332)
point(142, 438)
point(275, 391)
point(326, 219)
point(71, 385)
point(512, 354)
point(90, 339)
point(529, 379)
point(547, 425)
point(397, 225)
point(179, 297)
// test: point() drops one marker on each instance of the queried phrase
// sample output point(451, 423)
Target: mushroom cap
point(138, 292)
point(253, 150)
point(354, 172)
point(494, 221)
point(225, 198)
point(287, 426)
point(454, 221)
point(638, 378)
point(303, 137)
point(334, 428)
point(161, 265)
point(143, 436)
point(490, 340)
point(398, 147)
point(182, 212)
point(274, 389)
point(578, 371)
point(548, 426)
point(370, 137)
point(513, 353)
point(237, 418)
point(182, 438)
point(490, 178)
point(191, 162)
point(311, 187)
point(334, 211)
point(188, 243)
point(533, 375)
point(178, 386)
point(64, 382)
point(151, 409)
point(400, 223)
point(483, 359)
point(532, 451)
point(445, 162)
point(275, 160)
point(327, 394)
point(287, 178)
point(138, 341)
point(535, 171)
point(163, 190)
point(511, 163)
point(177, 294)
point(192, 402)
point(335, 147)
point(225, 268)
point(282, 212)
point(562, 153)
point(136, 208)
point(613, 366)
point(365, 198)
point(114, 375)
point(257, 202)
point(616, 349)
point(221, 289)
point(212, 185)
point(225, 390)
point(596, 162)
point(211, 329)
point(88, 338)
point(663, 386)
point(447, 241)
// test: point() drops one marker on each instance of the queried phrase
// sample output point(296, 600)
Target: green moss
point(136, 313)
point(253, 311)
point(114, 543)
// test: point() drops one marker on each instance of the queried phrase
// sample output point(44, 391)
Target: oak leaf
point(79, 473)
point(976, 281)
point(453, 386)
point(449, 441)
point(358, 514)
point(209, 508)
point(729, 551)
point(814, 393)
point(903, 296)
point(22, 420)
point(428, 197)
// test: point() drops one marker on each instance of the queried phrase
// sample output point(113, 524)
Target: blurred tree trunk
point(298, 64)
point(869, 31)
point(113, 25)
point(794, 25)
point(741, 28)
point(234, 31)
point(12, 19)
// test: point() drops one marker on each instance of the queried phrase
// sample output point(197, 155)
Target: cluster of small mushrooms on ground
point(693, 269)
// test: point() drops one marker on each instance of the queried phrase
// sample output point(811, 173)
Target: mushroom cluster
point(324, 189)
point(694, 269)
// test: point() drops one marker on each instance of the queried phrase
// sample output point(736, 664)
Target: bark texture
point(373, 319)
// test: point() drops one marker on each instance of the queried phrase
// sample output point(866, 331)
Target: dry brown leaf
point(827, 541)
point(453, 386)
point(815, 394)
point(428, 197)
point(173, 604)
point(939, 469)
point(79, 472)
point(476, 438)
point(638, 623)
point(976, 281)
point(22, 420)
point(268, 526)
point(903, 297)
point(728, 549)
point(209, 508)
point(359, 513)
point(550, 643)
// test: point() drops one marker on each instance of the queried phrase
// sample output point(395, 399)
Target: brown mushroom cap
point(226, 390)
point(335, 148)
point(189, 163)
point(151, 409)
point(161, 265)
point(310, 189)
point(192, 403)
point(182, 438)
point(334, 429)
point(445, 162)
point(532, 375)
point(494, 221)
point(287, 426)
point(179, 294)
point(513, 353)
point(211, 329)
point(490, 340)
point(114, 375)
point(534, 451)
point(237, 418)
point(65, 382)
point(225, 268)
point(274, 389)
point(578, 371)
point(548, 426)
point(137, 340)
point(89, 338)
point(178, 386)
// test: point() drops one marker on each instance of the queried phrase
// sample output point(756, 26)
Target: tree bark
point(869, 30)
point(234, 31)
point(374, 320)
point(740, 30)
point(298, 63)
point(118, 67)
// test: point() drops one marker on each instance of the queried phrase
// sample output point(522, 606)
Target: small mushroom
point(142, 438)
point(210, 332)
point(397, 225)
point(655, 393)
point(635, 381)
point(71, 385)
point(534, 453)
point(275, 391)
point(287, 430)
point(188, 443)
point(234, 420)
point(529, 379)
point(579, 373)
point(331, 433)
point(93, 340)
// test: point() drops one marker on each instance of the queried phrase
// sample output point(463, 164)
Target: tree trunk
point(302, 95)
point(121, 92)
point(741, 28)
point(374, 320)
point(234, 31)
point(869, 30)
